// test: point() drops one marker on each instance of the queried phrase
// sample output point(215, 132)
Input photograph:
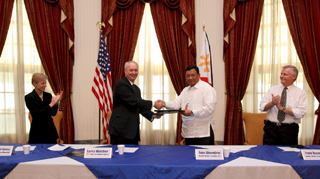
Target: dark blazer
point(42, 127)
point(127, 105)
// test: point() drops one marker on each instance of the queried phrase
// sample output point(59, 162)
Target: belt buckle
point(278, 123)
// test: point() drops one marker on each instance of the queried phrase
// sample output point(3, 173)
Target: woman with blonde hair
point(42, 106)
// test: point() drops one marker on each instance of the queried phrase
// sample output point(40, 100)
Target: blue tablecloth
point(8, 163)
point(151, 161)
point(305, 168)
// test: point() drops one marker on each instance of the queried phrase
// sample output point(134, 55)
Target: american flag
point(101, 87)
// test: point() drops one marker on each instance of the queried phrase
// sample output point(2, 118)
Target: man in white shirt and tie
point(286, 104)
point(198, 101)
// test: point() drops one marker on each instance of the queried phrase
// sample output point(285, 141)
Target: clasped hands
point(56, 99)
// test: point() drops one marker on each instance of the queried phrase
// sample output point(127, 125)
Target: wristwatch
point(191, 114)
point(283, 109)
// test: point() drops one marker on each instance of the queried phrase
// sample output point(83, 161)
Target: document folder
point(168, 111)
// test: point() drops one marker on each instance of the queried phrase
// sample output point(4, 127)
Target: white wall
point(85, 106)
point(211, 14)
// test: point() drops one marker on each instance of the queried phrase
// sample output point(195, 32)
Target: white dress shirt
point(296, 100)
point(201, 100)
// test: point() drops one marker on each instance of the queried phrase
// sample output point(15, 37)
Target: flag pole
point(204, 29)
point(101, 24)
point(99, 126)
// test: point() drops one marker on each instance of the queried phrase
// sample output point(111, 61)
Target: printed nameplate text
point(209, 154)
point(6, 150)
point(310, 154)
point(98, 153)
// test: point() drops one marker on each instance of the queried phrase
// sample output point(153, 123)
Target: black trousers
point(201, 141)
point(121, 140)
point(285, 134)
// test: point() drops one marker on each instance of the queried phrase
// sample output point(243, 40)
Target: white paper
point(130, 149)
point(98, 153)
point(58, 147)
point(310, 154)
point(21, 149)
point(289, 149)
point(209, 154)
point(6, 150)
point(233, 148)
point(82, 146)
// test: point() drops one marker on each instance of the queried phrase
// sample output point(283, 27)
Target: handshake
point(159, 104)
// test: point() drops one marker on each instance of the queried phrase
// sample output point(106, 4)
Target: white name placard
point(310, 154)
point(98, 153)
point(209, 154)
point(6, 150)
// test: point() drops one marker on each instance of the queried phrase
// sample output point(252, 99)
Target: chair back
point(56, 120)
point(107, 141)
point(254, 123)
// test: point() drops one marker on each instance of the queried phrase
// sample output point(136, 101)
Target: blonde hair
point(36, 77)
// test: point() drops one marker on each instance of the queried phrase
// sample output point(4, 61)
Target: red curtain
point(304, 23)
point(242, 35)
point(173, 39)
point(67, 23)
point(108, 8)
point(56, 53)
point(122, 36)
point(6, 7)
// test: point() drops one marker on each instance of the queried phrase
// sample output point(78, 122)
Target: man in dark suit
point(127, 105)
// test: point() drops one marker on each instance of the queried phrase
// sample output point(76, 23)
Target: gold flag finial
point(101, 24)
point(204, 27)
